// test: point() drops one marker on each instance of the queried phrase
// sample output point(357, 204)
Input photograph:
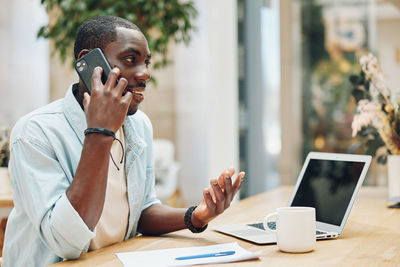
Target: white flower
point(379, 112)
point(369, 65)
point(367, 112)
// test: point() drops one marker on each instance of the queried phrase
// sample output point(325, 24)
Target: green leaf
point(172, 18)
point(352, 149)
point(371, 147)
point(382, 159)
point(354, 79)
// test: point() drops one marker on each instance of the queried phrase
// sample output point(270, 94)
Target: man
point(68, 197)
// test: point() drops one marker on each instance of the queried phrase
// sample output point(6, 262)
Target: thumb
point(86, 100)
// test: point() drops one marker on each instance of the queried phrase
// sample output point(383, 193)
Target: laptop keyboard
point(272, 225)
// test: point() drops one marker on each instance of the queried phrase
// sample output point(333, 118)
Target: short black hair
point(99, 32)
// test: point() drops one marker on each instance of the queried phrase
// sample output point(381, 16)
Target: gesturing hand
point(217, 197)
point(106, 107)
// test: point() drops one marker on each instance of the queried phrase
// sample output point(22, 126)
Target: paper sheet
point(167, 257)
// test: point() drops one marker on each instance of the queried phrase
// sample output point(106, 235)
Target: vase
point(393, 164)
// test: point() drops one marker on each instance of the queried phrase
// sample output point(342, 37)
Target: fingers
point(238, 182)
point(227, 173)
point(208, 199)
point(219, 196)
point(112, 79)
point(111, 85)
point(127, 98)
point(121, 85)
point(228, 191)
point(223, 190)
point(96, 79)
point(86, 100)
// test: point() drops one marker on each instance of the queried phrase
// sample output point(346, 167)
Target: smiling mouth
point(138, 92)
point(137, 89)
point(134, 92)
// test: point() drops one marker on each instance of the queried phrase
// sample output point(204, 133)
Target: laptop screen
point(328, 186)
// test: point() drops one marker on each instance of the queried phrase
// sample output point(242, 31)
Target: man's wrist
point(190, 224)
point(96, 138)
point(97, 130)
point(196, 222)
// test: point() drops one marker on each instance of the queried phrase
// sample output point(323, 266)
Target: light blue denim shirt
point(46, 145)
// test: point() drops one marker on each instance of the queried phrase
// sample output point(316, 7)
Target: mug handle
point(268, 219)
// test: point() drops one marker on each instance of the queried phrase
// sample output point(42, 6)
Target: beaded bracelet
point(188, 221)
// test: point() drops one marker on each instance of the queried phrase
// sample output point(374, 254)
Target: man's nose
point(142, 74)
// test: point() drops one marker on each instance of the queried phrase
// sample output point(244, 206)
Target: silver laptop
point(329, 182)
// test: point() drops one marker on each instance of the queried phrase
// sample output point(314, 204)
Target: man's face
point(130, 53)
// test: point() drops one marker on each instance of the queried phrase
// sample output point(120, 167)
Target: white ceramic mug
point(295, 228)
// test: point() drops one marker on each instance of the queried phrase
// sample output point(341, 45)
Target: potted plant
point(160, 20)
point(377, 121)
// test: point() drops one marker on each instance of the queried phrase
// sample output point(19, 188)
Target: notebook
point(329, 182)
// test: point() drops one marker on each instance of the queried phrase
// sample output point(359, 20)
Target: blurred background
point(260, 84)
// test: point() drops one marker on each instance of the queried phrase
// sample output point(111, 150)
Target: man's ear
point(83, 52)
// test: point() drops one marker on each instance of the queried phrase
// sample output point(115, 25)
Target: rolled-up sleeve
point(39, 183)
point(73, 230)
point(150, 194)
point(150, 191)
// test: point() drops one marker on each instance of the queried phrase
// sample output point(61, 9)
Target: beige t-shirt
point(113, 222)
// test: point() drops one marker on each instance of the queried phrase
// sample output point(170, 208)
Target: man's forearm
point(160, 219)
point(87, 190)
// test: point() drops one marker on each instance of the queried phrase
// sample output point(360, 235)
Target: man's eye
point(130, 59)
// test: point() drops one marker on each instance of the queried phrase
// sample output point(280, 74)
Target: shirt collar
point(74, 113)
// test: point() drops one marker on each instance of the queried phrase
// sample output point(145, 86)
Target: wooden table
point(371, 236)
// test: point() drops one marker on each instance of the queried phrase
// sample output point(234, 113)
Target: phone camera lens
point(78, 64)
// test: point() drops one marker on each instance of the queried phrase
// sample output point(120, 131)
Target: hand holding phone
point(101, 109)
point(86, 64)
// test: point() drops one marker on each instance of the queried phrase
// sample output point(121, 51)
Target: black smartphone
point(86, 64)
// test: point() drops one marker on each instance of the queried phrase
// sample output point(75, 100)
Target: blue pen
point(217, 254)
